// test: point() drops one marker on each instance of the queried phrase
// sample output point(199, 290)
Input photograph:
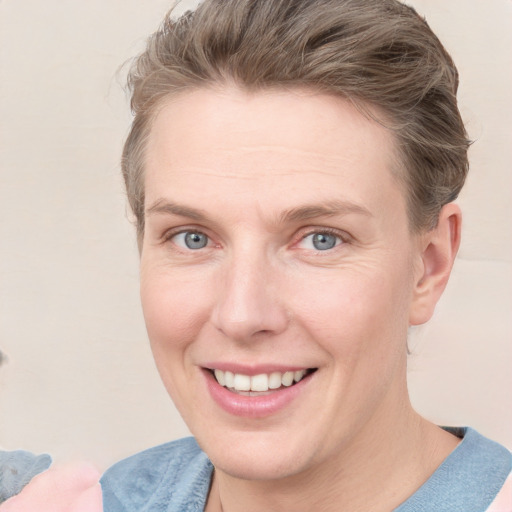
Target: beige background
point(79, 380)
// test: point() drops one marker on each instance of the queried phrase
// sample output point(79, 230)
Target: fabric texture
point(171, 477)
point(175, 477)
point(17, 468)
point(503, 501)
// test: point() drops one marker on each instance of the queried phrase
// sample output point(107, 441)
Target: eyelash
point(341, 236)
point(169, 235)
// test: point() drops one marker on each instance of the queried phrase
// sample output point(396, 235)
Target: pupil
point(324, 241)
point(195, 240)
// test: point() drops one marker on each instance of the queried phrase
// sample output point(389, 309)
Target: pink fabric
point(503, 500)
point(73, 488)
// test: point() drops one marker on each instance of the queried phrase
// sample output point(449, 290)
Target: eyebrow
point(165, 207)
point(328, 209)
point(297, 214)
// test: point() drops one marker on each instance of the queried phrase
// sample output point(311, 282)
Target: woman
point(307, 311)
point(292, 168)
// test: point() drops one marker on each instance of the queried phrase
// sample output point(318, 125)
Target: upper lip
point(256, 369)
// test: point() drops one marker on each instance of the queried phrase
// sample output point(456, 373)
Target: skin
point(258, 174)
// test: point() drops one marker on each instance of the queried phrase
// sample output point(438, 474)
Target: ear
point(438, 248)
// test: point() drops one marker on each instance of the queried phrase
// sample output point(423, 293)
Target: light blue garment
point(175, 477)
point(467, 481)
point(17, 468)
point(171, 477)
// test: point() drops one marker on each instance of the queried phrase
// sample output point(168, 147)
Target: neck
point(379, 468)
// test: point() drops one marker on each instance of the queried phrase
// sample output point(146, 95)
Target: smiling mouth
point(263, 383)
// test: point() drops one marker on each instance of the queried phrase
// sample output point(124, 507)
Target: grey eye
point(196, 240)
point(320, 241)
point(324, 241)
point(191, 240)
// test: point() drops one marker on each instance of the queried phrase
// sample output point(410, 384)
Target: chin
point(257, 455)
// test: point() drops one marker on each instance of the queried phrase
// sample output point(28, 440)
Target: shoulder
point(177, 474)
point(468, 480)
point(157, 460)
point(17, 468)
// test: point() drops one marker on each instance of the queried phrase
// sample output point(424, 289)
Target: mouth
point(261, 384)
point(257, 392)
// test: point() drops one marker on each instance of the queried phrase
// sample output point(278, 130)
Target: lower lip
point(253, 406)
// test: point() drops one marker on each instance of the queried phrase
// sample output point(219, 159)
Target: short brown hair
point(376, 53)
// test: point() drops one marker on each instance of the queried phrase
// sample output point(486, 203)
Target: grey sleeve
point(17, 468)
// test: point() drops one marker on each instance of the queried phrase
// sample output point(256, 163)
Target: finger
point(89, 500)
point(55, 490)
point(66, 479)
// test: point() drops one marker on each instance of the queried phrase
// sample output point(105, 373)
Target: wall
point(79, 380)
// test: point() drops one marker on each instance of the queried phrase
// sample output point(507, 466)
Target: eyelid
point(299, 237)
point(168, 235)
point(305, 232)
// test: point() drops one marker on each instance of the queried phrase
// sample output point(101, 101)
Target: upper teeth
point(261, 382)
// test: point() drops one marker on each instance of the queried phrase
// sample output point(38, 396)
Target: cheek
point(356, 315)
point(174, 317)
point(174, 309)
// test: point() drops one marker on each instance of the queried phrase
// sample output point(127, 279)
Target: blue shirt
point(175, 477)
point(17, 468)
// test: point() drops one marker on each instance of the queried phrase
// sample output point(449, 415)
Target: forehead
point(264, 143)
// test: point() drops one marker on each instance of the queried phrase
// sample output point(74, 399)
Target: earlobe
point(438, 251)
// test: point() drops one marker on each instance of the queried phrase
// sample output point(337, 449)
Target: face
point(277, 271)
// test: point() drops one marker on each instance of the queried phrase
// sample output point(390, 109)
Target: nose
point(248, 302)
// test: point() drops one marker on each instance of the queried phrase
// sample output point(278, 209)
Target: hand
point(72, 488)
